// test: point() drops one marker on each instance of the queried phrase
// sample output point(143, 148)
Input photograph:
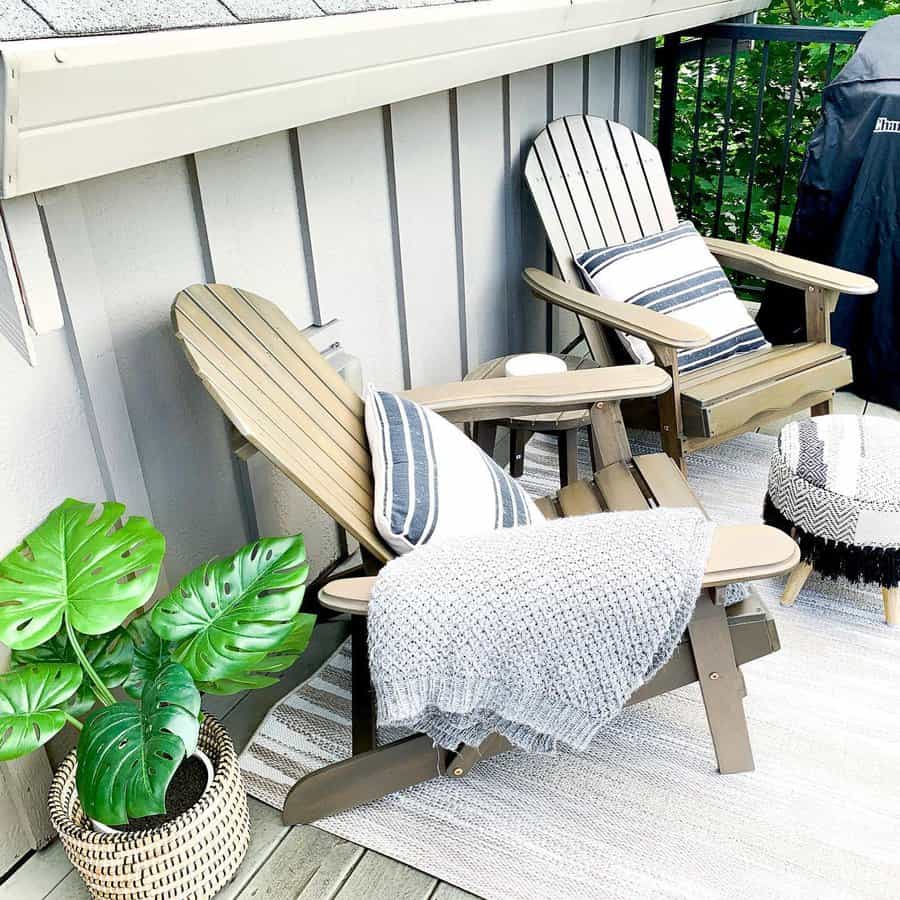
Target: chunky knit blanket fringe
point(540, 633)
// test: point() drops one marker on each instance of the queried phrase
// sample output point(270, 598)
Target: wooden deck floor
point(302, 863)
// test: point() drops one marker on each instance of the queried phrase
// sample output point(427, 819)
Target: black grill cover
point(848, 214)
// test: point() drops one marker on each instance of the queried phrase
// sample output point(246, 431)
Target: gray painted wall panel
point(423, 171)
point(568, 100)
point(47, 450)
point(349, 200)
point(601, 89)
point(239, 186)
point(483, 208)
point(146, 244)
point(410, 225)
point(528, 113)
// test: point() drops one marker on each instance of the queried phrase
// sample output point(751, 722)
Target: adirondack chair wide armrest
point(500, 398)
point(788, 270)
point(738, 553)
point(635, 320)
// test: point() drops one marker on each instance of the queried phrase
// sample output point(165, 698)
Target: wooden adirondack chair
point(285, 400)
point(597, 184)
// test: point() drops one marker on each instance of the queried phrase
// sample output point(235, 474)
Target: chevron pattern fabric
point(838, 478)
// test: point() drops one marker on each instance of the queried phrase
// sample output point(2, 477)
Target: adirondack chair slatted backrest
point(596, 184)
point(284, 398)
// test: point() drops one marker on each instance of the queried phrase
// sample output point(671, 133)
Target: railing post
point(665, 132)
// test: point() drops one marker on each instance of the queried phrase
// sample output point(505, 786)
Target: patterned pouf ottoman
point(834, 484)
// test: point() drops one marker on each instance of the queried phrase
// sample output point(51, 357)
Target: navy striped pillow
point(431, 481)
point(674, 273)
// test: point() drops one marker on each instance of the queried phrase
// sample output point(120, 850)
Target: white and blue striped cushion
point(431, 481)
point(674, 273)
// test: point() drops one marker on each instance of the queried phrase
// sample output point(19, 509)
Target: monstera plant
point(72, 600)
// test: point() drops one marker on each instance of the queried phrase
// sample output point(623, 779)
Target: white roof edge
point(75, 108)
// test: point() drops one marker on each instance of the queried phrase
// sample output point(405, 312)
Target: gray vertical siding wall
point(407, 223)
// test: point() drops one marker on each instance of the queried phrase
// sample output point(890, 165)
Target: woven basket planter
point(190, 858)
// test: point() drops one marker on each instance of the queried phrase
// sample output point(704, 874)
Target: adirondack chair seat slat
point(597, 184)
point(548, 507)
point(737, 401)
point(580, 498)
point(735, 375)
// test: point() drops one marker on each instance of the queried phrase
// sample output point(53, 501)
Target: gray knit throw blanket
point(539, 633)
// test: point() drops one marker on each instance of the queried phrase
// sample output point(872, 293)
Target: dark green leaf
point(128, 754)
point(109, 655)
point(77, 564)
point(151, 653)
point(227, 615)
point(32, 699)
point(276, 661)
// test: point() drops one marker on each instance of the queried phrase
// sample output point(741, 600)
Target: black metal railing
point(737, 105)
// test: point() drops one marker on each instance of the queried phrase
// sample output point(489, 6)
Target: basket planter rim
point(63, 822)
point(192, 856)
point(103, 828)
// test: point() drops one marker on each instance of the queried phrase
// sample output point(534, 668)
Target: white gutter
point(74, 108)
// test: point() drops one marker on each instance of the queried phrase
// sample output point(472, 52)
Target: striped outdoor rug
point(643, 813)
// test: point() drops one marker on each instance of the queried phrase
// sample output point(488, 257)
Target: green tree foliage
point(814, 64)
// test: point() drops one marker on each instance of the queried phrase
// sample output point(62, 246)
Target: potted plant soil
point(151, 803)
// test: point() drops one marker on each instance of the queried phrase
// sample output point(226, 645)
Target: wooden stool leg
point(485, 435)
point(891, 597)
point(721, 685)
point(567, 448)
point(795, 583)
point(517, 441)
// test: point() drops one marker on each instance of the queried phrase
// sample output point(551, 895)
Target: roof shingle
point(20, 19)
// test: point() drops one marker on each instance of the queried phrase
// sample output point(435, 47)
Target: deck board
point(377, 877)
point(301, 863)
point(307, 863)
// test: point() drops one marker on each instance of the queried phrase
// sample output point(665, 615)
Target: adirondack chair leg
point(362, 695)
point(670, 427)
point(567, 446)
point(721, 685)
point(891, 597)
point(518, 438)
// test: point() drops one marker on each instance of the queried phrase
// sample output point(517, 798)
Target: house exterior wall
point(407, 223)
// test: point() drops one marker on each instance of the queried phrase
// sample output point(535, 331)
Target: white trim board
point(75, 108)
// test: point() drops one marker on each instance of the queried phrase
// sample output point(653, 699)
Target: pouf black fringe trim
point(838, 559)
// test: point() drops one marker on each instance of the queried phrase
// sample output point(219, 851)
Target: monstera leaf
point(32, 699)
point(227, 615)
point(151, 653)
point(108, 654)
point(276, 661)
point(127, 754)
point(76, 564)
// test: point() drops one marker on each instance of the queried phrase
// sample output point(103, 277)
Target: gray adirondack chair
point(597, 184)
point(286, 401)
